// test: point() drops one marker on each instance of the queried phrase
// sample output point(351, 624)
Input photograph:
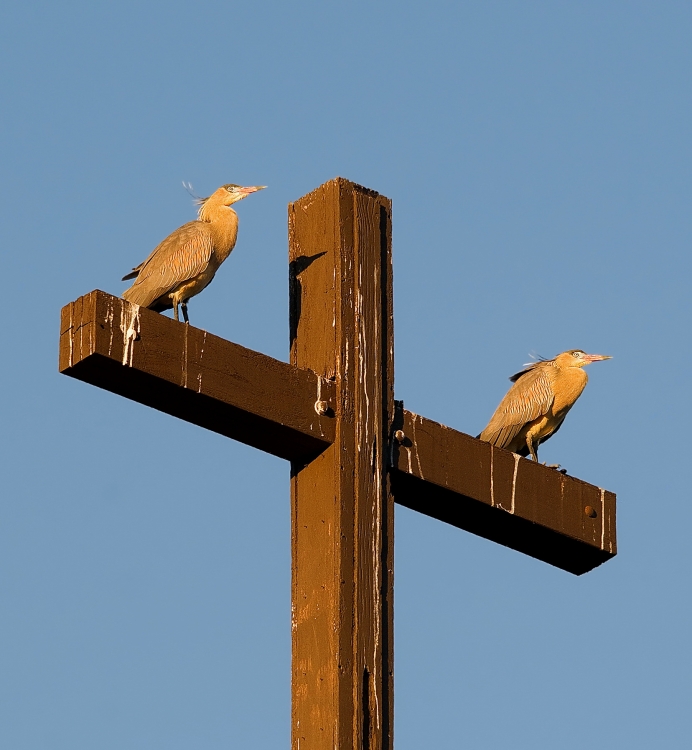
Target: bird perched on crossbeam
point(186, 261)
point(536, 405)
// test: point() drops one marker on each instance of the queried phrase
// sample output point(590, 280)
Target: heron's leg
point(183, 307)
point(175, 310)
point(533, 451)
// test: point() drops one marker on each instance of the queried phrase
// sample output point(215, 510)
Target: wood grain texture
point(195, 376)
point(341, 327)
point(500, 496)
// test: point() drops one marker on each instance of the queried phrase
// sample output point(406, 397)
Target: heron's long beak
point(596, 357)
point(248, 190)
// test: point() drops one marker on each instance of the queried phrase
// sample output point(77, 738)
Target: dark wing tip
point(131, 275)
point(517, 375)
point(528, 368)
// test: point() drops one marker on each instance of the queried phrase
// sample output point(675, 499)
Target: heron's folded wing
point(180, 257)
point(530, 397)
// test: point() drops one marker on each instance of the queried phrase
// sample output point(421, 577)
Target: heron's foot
point(554, 466)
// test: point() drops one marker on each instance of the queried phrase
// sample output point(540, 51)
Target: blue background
point(538, 155)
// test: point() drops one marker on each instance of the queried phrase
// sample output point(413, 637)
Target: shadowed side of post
point(342, 505)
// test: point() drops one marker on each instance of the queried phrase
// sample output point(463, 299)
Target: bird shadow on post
point(295, 268)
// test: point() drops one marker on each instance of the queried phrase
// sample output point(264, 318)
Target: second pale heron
point(536, 405)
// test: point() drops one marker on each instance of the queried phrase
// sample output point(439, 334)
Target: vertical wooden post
point(342, 505)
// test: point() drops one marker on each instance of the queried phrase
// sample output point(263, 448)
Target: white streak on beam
point(603, 519)
point(517, 458)
point(415, 445)
point(71, 333)
point(201, 354)
point(109, 320)
point(129, 325)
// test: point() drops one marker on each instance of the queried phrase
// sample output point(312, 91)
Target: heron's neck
point(223, 221)
point(212, 211)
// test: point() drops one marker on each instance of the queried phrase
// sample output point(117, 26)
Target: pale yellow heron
point(536, 405)
point(186, 261)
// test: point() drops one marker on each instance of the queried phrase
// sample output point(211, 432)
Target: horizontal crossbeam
point(271, 405)
point(195, 376)
point(500, 496)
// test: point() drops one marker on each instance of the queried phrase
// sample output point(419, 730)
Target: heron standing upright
point(536, 405)
point(186, 261)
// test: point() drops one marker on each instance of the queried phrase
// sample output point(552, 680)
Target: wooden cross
point(353, 449)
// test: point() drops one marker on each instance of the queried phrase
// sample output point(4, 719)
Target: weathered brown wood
point(270, 405)
point(341, 307)
point(258, 400)
point(195, 376)
point(500, 496)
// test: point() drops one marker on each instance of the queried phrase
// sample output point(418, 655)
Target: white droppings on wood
point(362, 364)
point(71, 333)
point(333, 304)
point(129, 325)
point(318, 404)
point(603, 519)
point(201, 354)
point(517, 458)
point(110, 316)
point(307, 205)
point(415, 445)
point(81, 336)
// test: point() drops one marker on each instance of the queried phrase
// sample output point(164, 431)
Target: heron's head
point(226, 195)
point(578, 358)
point(235, 193)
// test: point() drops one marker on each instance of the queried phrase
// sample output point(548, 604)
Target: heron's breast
point(544, 426)
point(567, 387)
point(195, 285)
point(225, 235)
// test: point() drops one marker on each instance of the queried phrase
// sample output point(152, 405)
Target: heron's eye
point(577, 354)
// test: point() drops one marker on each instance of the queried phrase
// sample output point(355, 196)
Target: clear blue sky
point(538, 156)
